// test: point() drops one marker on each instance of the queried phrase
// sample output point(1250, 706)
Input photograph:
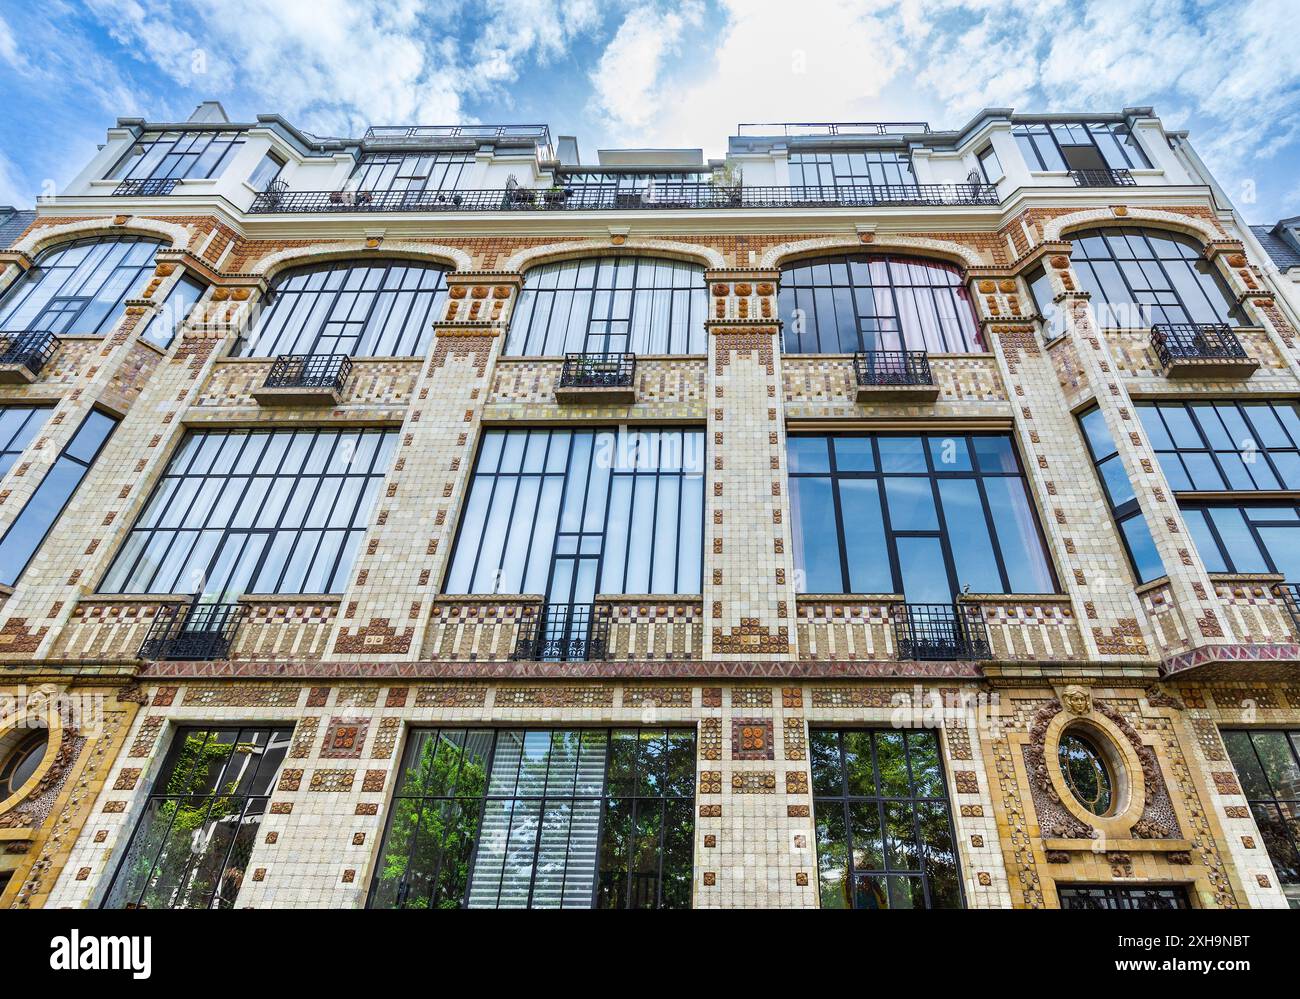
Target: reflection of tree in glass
point(431, 837)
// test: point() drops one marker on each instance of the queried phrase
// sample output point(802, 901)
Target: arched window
point(840, 305)
point(380, 308)
point(79, 287)
point(1141, 277)
point(611, 305)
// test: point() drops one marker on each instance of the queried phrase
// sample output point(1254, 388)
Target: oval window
point(18, 765)
point(1086, 772)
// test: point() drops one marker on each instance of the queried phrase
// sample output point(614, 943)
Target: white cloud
point(625, 77)
point(9, 46)
point(13, 190)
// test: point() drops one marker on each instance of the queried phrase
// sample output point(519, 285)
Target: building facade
point(881, 517)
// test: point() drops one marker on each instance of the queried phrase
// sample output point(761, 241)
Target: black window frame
point(1128, 511)
point(605, 281)
point(11, 448)
point(837, 169)
point(982, 158)
point(933, 476)
point(1029, 135)
point(1285, 413)
point(441, 171)
point(1196, 512)
point(17, 528)
point(1288, 877)
point(301, 305)
point(599, 893)
point(192, 145)
point(802, 285)
point(277, 160)
point(71, 308)
point(130, 556)
point(272, 732)
point(845, 800)
point(172, 316)
point(1123, 896)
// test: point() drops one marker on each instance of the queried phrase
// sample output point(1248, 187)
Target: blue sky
point(652, 72)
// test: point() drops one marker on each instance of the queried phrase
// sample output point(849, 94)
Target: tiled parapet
point(108, 628)
point(823, 386)
point(476, 628)
point(1136, 361)
point(1258, 611)
point(652, 628)
point(1040, 628)
point(748, 558)
point(667, 388)
point(377, 386)
point(845, 628)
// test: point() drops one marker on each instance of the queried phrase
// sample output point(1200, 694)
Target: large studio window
point(636, 305)
point(570, 514)
point(242, 511)
point(79, 287)
point(884, 826)
point(380, 308)
point(191, 846)
point(1246, 537)
point(1268, 765)
point(859, 168)
point(412, 172)
point(1220, 446)
point(1080, 146)
point(1140, 277)
point(841, 305)
point(169, 156)
point(1121, 498)
point(564, 818)
point(927, 516)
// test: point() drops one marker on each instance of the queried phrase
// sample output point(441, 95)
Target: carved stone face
point(1077, 700)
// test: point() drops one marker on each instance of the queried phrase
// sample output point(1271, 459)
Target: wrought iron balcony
point(599, 197)
point(564, 633)
point(1102, 178)
point(196, 630)
point(24, 354)
point(305, 380)
point(151, 187)
point(894, 375)
point(940, 631)
point(589, 378)
point(1201, 350)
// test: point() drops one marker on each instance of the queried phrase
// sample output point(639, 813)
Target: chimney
point(209, 112)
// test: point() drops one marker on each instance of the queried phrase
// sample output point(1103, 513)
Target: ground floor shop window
point(1268, 766)
point(541, 818)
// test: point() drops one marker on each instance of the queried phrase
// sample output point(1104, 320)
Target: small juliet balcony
point(193, 631)
point(597, 379)
point(1201, 350)
point(305, 380)
point(1102, 178)
point(150, 187)
point(894, 376)
point(23, 355)
point(940, 631)
point(563, 633)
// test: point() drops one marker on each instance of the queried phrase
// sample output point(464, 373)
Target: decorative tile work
point(332, 780)
point(385, 738)
point(753, 782)
point(751, 739)
point(555, 697)
point(241, 696)
point(796, 743)
point(344, 738)
point(457, 695)
point(304, 737)
point(710, 739)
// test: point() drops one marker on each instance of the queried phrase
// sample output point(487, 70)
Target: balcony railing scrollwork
point(597, 377)
point(193, 631)
point(1102, 178)
point(150, 187)
point(23, 355)
point(563, 633)
point(305, 380)
point(894, 374)
point(940, 631)
point(1204, 350)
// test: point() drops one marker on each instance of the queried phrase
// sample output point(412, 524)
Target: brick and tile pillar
point(399, 569)
point(749, 592)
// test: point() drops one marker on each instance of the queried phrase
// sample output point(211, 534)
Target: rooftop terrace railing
point(796, 128)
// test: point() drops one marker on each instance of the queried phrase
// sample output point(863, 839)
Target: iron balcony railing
point(584, 198)
point(323, 371)
point(30, 349)
point(1175, 342)
point(940, 631)
point(197, 630)
point(796, 128)
point(148, 188)
point(1102, 178)
point(598, 371)
point(893, 367)
point(417, 134)
point(1289, 594)
point(564, 633)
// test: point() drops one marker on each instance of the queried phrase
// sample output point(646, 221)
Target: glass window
point(840, 305)
point(176, 308)
point(990, 165)
point(190, 848)
point(926, 516)
point(570, 514)
point(1141, 277)
point(851, 168)
point(381, 308)
point(635, 305)
point(267, 170)
point(1115, 483)
point(412, 172)
point(1146, 897)
point(79, 287)
point(1086, 772)
point(18, 425)
point(29, 529)
point(1079, 146)
point(884, 827)
point(1225, 445)
point(19, 763)
point(562, 818)
point(1268, 765)
point(1247, 537)
point(240, 511)
point(177, 155)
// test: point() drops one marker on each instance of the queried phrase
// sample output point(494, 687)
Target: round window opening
point(1086, 772)
point(18, 765)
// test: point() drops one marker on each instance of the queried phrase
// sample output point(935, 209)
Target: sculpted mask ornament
point(1077, 700)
